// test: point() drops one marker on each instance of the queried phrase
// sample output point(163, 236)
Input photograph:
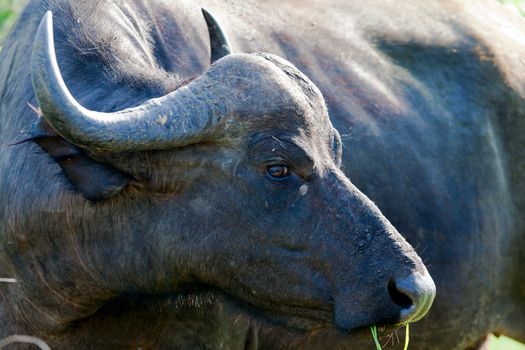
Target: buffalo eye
point(278, 172)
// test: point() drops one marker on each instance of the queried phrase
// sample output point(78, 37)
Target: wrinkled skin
point(430, 117)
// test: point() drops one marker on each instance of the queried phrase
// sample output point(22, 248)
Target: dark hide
point(179, 253)
point(429, 100)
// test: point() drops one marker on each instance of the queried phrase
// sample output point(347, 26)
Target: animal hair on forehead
point(84, 25)
point(305, 84)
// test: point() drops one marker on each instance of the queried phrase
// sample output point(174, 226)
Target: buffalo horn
point(219, 43)
point(179, 118)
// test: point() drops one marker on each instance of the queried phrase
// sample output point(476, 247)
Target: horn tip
point(45, 29)
point(47, 19)
point(219, 42)
point(205, 12)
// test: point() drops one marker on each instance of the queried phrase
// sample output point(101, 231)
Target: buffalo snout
point(377, 276)
point(400, 300)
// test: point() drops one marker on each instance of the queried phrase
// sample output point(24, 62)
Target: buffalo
point(165, 187)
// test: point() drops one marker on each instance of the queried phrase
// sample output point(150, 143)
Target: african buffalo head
point(237, 185)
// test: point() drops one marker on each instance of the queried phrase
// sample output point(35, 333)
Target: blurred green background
point(9, 9)
point(515, 5)
point(504, 343)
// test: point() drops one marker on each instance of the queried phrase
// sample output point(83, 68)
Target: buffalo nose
point(414, 294)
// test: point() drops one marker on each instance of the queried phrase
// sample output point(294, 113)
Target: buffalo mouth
point(200, 315)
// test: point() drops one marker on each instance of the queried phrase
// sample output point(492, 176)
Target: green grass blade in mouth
point(407, 336)
point(373, 329)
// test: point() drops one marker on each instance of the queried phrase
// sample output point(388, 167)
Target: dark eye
point(278, 172)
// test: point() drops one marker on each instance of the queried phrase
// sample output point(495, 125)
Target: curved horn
point(220, 45)
point(176, 119)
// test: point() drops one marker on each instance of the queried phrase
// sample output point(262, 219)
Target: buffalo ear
point(96, 181)
point(219, 43)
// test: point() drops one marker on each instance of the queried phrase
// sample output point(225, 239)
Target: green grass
point(373, 330)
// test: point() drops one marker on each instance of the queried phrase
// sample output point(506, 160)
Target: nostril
point(414, 294)
point(398, 296)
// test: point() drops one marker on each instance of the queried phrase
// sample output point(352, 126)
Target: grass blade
point(407, 336)
point(373, 329)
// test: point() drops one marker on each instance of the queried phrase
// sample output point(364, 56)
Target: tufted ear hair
point(96, 181)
